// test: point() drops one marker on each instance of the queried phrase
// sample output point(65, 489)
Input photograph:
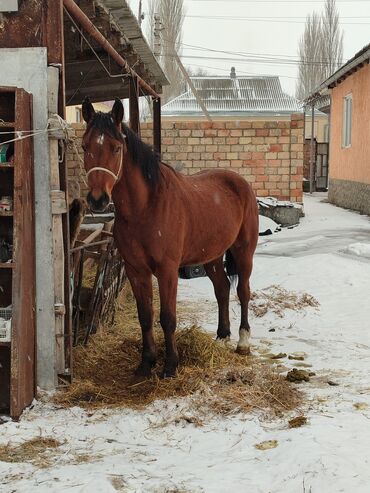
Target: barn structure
point(52, 53)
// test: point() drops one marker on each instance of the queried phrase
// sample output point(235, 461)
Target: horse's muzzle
point(100, 204)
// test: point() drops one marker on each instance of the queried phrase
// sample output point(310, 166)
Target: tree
point(320, 49)
point(171, 15)
point(310, 70)
point(332, 38)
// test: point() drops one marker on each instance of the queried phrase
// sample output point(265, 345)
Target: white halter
point(106, 170)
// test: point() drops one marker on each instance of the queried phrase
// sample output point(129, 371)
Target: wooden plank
point(58, 200)
point(134, 106)
point(23, 294)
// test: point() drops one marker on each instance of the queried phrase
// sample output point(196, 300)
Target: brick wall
point(269, 154)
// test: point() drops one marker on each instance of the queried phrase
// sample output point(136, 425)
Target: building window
point(78, 115)
point(326, 133)
point(347, 121)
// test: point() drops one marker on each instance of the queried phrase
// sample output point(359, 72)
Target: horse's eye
point(117, 149)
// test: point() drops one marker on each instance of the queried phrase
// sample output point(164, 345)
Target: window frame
point(347, 121)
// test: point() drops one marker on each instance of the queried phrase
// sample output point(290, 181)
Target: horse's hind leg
point(216, 272)
point(242, 251)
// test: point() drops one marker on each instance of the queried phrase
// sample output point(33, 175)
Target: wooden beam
point(89, 27)
point(134, 106)
point(192, 87)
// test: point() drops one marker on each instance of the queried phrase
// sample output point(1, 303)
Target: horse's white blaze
point(244, 339)
point(100, 139)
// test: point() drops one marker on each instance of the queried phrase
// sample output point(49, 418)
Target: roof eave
point(349, 68)
point(126, 21)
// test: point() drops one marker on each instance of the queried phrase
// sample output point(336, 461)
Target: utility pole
point(157, 36)
point(140, 15)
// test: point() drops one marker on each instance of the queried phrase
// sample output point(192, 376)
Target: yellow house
point(74, 113)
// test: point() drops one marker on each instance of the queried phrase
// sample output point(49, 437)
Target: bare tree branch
point(320, 49)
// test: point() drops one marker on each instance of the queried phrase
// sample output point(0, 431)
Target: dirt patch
point(212, 372)
point(276, 299)
point(297, 422)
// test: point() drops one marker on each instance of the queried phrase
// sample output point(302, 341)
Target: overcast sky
point(273, 31)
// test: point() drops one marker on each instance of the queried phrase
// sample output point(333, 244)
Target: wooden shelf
point(10, 265)
point(6, 213)
point(4, 344)
point(6, 165)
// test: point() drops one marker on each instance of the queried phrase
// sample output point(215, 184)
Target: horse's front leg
point(141, 284)
point(167, 282)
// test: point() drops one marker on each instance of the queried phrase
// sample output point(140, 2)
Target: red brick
point(276, 148)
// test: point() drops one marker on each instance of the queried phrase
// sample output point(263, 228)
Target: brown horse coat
point(165, 220)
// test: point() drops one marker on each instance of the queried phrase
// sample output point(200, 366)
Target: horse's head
point(104, 147)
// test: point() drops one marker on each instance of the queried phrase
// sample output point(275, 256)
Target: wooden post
point(192, 87)
point(312, 149)
point(157, 124)
point(59, 207)
point(134, 105)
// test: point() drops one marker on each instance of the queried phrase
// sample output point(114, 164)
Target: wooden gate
point(322, 165)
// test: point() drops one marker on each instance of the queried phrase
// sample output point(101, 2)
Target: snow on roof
point(234, 95)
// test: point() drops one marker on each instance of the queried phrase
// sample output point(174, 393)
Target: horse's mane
point(142, 155)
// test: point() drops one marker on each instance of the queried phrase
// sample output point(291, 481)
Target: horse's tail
point(230, 267)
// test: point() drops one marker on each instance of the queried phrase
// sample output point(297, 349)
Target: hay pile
point(276, 299)
point(38, 451)
point(211, 371)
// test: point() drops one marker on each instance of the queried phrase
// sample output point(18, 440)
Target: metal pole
point(140, 12)
point(157, 124)
point(192, 87)
point(312, 148)
point(90, 28)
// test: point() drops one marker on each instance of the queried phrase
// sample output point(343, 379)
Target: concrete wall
point(269, 154)
point(350, 195)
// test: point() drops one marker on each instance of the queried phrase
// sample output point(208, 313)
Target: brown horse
point(165, 220)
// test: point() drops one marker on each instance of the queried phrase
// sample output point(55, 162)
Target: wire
point(279, 1)
point(269, 19)
point(247, 54)
point(254, 60)
point(241, 71)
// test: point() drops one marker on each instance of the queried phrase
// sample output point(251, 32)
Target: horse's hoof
point(166, 374)
point(223, 339)
point(243, 351)
point(143, 371)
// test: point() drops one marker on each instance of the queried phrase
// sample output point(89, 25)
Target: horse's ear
point(117, 112)
point(87, 110)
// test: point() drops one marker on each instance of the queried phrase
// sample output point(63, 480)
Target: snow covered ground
point(152, 451)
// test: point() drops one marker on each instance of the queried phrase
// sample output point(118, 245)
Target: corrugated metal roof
point(238, 95)
point(128, 25)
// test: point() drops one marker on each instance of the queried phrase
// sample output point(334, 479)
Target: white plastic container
point(5, 330)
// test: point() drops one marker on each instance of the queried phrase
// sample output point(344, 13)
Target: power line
point(288, 59)
point(279, 1)
point(241, 71)
point(277, 20)
point(253, 60)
